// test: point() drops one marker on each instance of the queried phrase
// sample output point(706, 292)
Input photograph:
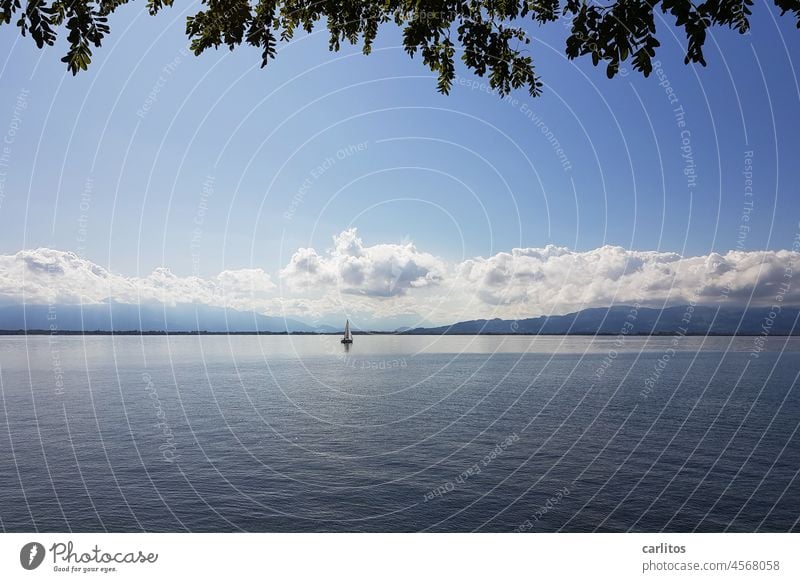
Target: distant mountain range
point(697, 320)
point(156, 317)
point(188, 318)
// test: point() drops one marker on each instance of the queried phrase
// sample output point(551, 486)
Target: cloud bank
point(383, 270)
point(47, 276)
point(399, 282)
point(555, 278)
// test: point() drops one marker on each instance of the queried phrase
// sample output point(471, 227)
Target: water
point(229, 433)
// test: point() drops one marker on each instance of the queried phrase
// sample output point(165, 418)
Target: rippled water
point(276, 433)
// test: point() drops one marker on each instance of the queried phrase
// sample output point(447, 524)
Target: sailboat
point(348, 337)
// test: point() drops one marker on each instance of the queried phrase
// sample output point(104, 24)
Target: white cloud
point(44, 276)
point(244, 285)
point(399, 282)
point(557, 280)
point(383, 270)
point(50, 276)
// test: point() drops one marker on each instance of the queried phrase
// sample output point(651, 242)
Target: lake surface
point(400, 433)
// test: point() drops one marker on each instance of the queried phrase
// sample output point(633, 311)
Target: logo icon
point(31, 555)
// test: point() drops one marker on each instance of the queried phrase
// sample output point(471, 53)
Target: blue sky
point(226, 168)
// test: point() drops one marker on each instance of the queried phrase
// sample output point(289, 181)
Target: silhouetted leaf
point(490, 35)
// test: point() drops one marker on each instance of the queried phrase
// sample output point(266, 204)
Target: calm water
point(399, 434)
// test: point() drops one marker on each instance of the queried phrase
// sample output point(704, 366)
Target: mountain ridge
point(111, 316)
point(195, 318)
point(631, 320)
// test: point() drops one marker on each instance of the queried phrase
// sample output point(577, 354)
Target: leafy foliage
point(489, 34)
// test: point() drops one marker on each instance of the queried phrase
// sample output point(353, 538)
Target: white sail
point(347, 334)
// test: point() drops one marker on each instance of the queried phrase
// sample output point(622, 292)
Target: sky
point(333, 184)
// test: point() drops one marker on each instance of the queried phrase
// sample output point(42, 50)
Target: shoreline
point(66, 332)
